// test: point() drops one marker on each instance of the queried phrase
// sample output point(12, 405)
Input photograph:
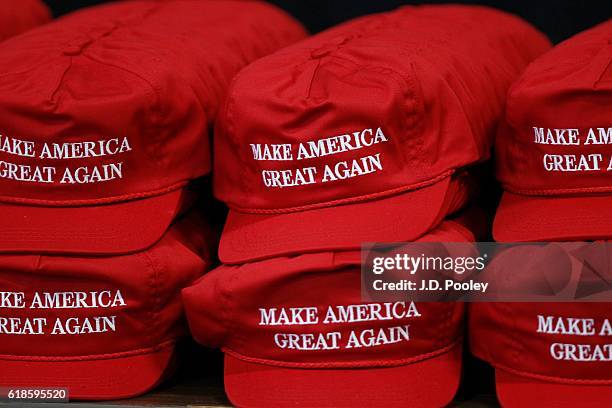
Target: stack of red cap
point(554, 147)
point(295, 332)
point(105, 116)
point(17, 17)
point(554, 153)
point(103, 327)
point(104, 121)
point(360, 134)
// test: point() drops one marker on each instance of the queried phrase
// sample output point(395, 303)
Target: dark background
point(559, 19)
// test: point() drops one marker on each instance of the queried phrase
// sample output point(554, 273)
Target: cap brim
point(118, 228)
point(517, 391)
point(102, 379)
point(530, 218)
point(429, 383)
point(403, 217)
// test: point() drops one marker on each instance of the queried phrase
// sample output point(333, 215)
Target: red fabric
point(103, 379)
point(22, 15)
point(124, 228)
point(522, 218)
point(430, 383)
point(224, 309)
point(569, 87)
point(422, 75)
point(152, 72)
point(526, 361)
point(105, 362)
point(517, 391)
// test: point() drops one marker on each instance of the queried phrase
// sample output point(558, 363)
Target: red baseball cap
point(558, 354)
point(356, 134)
point(290, 340)
point(19, 16)
point(105, 114)
point(102, 327)
point(554, 147)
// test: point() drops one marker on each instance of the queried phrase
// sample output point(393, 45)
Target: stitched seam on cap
point(447, 325)
point(93, 201)
point(418, 97)
point(109, 356)
point(312, 80)
point(153, 313)
point(230, 130)
point(116, 24)
point(60, 80)
point(548, 378)
point(349, 200)
point(603, 72)
point(557, 191)
point(233, 331)
point(156, 105)
point(153, 94)
point(516, 351)
point(347, 364)
point(409, 92)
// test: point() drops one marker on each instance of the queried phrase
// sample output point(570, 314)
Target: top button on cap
point(75, 47)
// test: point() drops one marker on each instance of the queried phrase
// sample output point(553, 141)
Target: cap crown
point(381, 104)
point(556, 137)
point(116, 102)
point(558, 342)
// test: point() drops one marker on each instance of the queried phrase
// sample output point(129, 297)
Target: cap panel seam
point(153, 282)
point(114, 26)
point(411, 92)
point(233, 332)
point(312, 80)
point(230, 131)
point(516, 350)
point(447, 325)
point(60, 80)
point(440, 332)
point(600, 78)
point(418, 96)
point(153, 95)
